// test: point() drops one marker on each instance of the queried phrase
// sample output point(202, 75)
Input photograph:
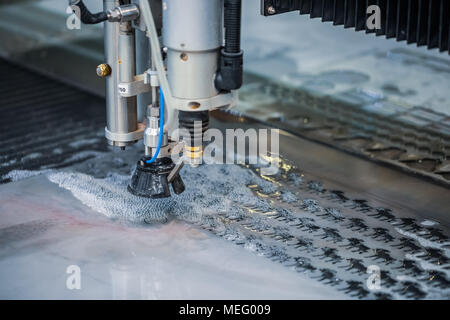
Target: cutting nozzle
point(151, 180)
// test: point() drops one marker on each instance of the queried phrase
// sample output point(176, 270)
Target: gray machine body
point(143, 61)
point(192, 38)
point(192, 34)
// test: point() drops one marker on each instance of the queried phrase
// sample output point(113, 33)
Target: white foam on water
point(402, 277)
point(84, 142)
point(84, 154)
point(10, 162)
point(426, 243)
point(31, 156)
point(288, 196)
point(16, 175)
point(210, 189)
point(423, 242)
point(425, 265)
point(295, 178)
point(429, 223)
point(335, 213)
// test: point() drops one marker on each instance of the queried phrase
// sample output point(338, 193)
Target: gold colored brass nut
point(193, 152)
point(193, 149)
point(103, 70)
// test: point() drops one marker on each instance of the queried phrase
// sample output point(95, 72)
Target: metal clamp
point(151, 78)
point(126, 137)
point(131, 89)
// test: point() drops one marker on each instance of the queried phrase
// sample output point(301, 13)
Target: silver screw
point(271, 10)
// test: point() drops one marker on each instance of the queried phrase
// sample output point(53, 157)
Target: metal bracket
point(175, 171)
point(126, 137)
point(131, 89)
point(151, 78)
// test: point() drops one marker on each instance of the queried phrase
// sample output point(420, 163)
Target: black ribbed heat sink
point(424, 22)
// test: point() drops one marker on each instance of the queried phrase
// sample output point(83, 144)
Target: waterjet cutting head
point(200, 70)
point(152, 180)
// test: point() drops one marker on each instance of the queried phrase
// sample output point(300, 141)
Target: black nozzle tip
point(150, 180)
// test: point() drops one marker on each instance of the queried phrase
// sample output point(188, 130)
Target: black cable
point(232, 24)
point(86, 16)
point(229, 76)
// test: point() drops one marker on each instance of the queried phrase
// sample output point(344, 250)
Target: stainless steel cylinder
point(143, 62)
point(121, 113)
point(192, 33)
point(191, 74)
point(194, 25)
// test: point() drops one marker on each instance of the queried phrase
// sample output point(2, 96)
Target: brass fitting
point(103, 70)
point(193, 152)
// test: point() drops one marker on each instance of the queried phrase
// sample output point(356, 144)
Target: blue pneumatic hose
point(161, 126)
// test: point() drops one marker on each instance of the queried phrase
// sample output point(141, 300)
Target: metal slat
point(444, 26)
point(349, 14)
point(327, 10)
point(338, 12)
point(402, 19)
point(422, 23)
point(305, 6)
point(316, 8)
point(383, 6)
point(413, 14)
point(433, 24)
point(360, 15)
point(391, 16)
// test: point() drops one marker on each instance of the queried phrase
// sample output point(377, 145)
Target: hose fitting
point(85, 15)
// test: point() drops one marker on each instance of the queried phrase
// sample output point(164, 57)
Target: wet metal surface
point(413, 139)
point(44, 230)
point(314, 224)
point(326, 217)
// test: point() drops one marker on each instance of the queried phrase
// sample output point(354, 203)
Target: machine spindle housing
point(192, 34)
